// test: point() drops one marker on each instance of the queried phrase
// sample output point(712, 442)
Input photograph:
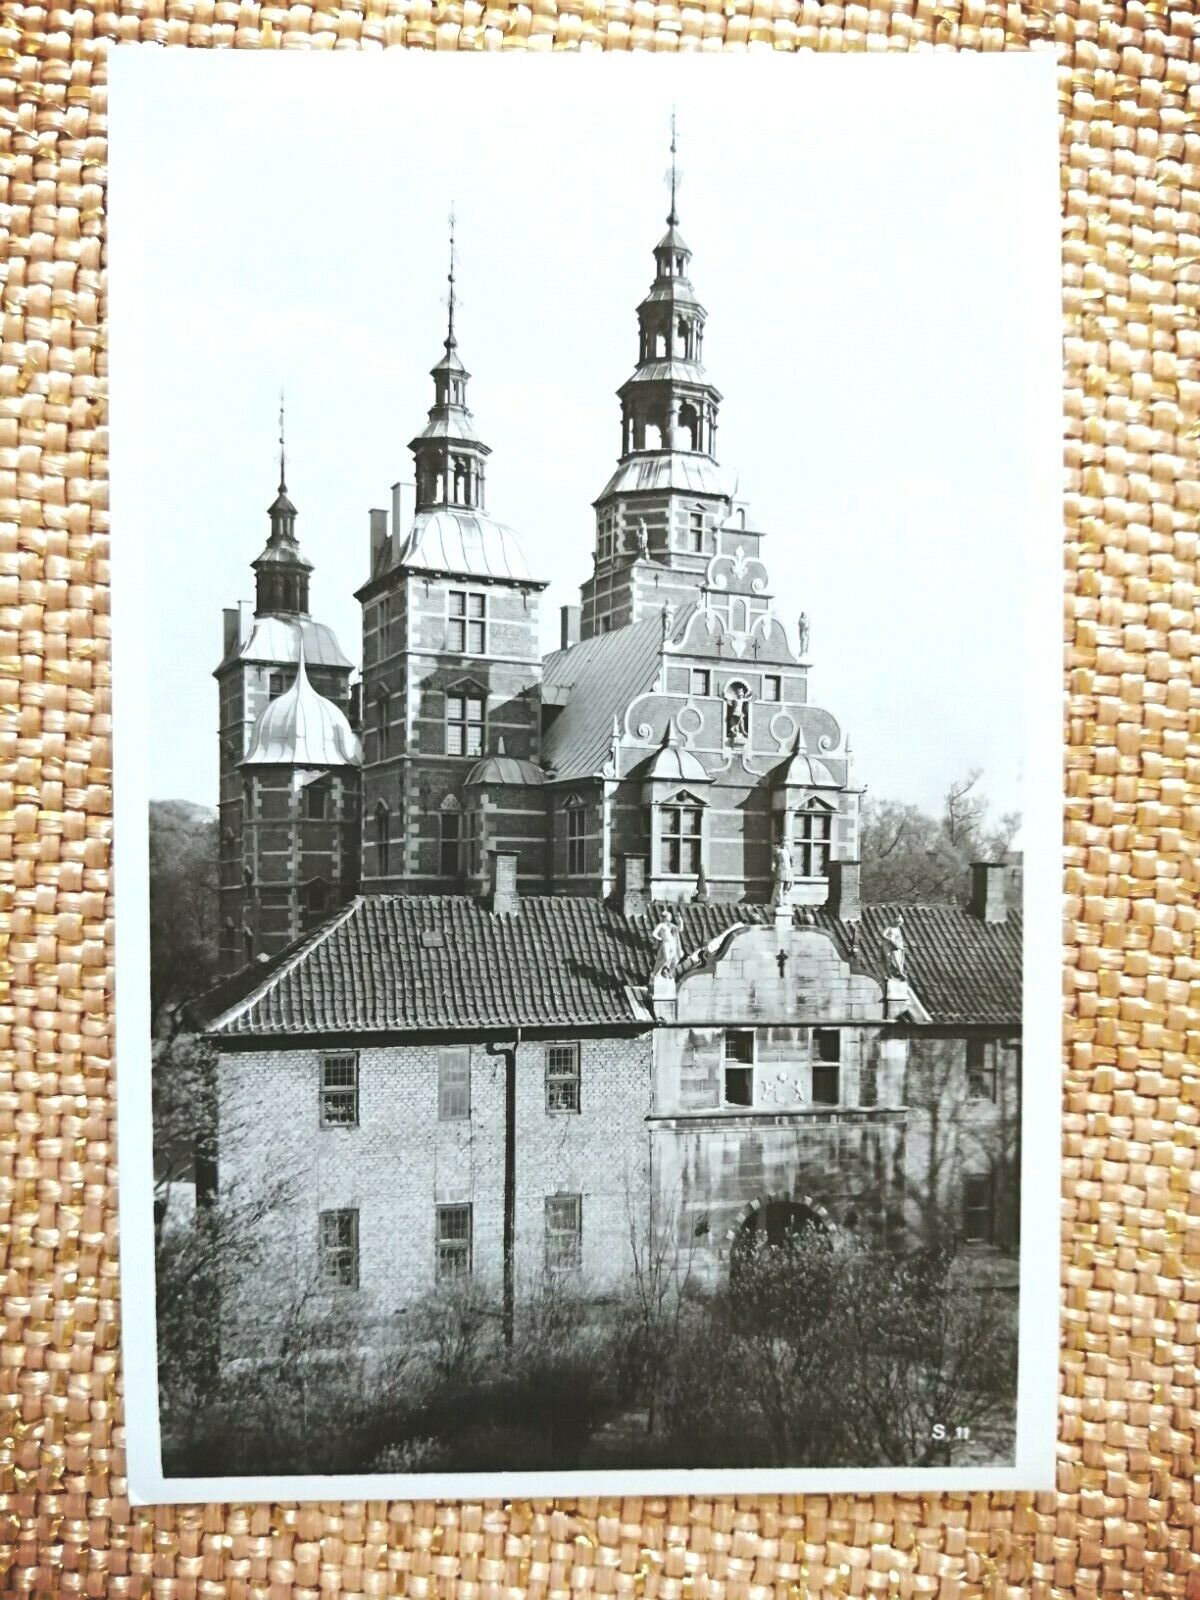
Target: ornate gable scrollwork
point(737, 573)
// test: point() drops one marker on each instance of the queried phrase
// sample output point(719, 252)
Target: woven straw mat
point(1124, 1520)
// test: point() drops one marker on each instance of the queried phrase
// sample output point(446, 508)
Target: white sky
point(863, 241)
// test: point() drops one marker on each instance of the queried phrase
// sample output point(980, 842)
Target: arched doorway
point(778, 1245)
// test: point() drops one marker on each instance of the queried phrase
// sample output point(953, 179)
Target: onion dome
point(303, 729)
point(674, 763)
point(505, 769)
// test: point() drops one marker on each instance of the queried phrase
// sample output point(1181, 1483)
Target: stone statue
point(643, 540)
point(785, 874)
point(803, 631)
point(666, 935)
point(737, 724)
point(893, 948)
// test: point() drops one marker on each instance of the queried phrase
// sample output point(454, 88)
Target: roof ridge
point(304, 949)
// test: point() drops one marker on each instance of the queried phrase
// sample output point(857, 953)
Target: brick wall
point(401, 1162)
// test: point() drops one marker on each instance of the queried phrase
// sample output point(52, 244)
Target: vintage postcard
point(587, 772)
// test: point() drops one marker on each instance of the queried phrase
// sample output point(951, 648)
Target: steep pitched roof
point(599, 679)
point(397, 963)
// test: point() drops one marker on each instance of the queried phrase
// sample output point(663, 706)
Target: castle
point(524, 953)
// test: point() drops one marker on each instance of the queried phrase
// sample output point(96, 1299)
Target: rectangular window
point(576, 840)
point(454, 1085)
point(339, 1091)
point(339, 1249)
point(739, 1066)
point(695, 534)
point(681, 839)
point(814, 830)
point(467, 632)
point(701, 681)
point(771, 689)
point(977, 1210)
point(981, 1069)
point(564, 1232)
point(453, 1242)
point(316, 798)
point(826, 1066)
point(383, 725)
point(562, 1077)
point(275, 685)
point(464, 724)
point(451, 823)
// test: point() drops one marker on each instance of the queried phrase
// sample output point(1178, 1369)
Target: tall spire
point(282, 451)
point(450, 340)
point(672, 216)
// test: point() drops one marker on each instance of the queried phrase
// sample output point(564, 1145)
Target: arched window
point(688, 435)
point(383, 825)
point(812, 838)
point(681, 339)
point(652, 438)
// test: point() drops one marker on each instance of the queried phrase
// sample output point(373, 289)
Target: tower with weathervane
point(451, 665)
point(288, 813)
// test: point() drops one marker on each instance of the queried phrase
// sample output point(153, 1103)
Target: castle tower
point(300, 824)
point(451, 662)
point(658, 515)
point(261, 650)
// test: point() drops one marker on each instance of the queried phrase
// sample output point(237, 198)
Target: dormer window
point(682, 838)
point(812, 838)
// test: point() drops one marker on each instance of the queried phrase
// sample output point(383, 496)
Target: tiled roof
point(396, 963)
point(601, 676)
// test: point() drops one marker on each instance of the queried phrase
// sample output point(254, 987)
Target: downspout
point(509, 1052)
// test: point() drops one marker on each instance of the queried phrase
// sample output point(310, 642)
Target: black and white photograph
point(587, 681)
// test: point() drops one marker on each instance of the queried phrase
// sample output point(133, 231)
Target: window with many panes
point(701, 681)
point(977, 1210)
point(695, 532)
point(576, 839)
point(826, 1066)
point(982, 1063)
point(339, 1249)
point(454, 1084)
point(771, 687)
point(339, 1090)
point(682, 826)
point(739, 1067)
point(564, 1232)
point(472, 851)
point(448, 844)
point(562, 1077)
point(467, 631)
point(453, 1242)
point(814, 832)
point(605, 537)
point(464, 723)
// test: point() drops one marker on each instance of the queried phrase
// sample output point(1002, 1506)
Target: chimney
point(989, 894)
point(245, 620)
point(570, 616)
point(505, 900)
point(379, 538)
point(397, 517)
point(232, 632)
point(633, 888)
point(845, 893)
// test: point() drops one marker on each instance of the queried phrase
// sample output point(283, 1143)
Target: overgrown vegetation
point(817, 1357)
point(912, 857)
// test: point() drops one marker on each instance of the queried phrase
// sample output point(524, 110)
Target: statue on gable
point(737, 713)
point(785, 872)
point(893, 948)
point(666, 935)
point(802, 629)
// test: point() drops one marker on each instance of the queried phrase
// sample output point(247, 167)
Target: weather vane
point(673, 173)
point(450, 281)
point(282, 455)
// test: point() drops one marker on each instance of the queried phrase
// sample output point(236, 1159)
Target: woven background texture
point(1124, 1518)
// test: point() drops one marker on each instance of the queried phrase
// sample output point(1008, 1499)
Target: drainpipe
point(509, 1052)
